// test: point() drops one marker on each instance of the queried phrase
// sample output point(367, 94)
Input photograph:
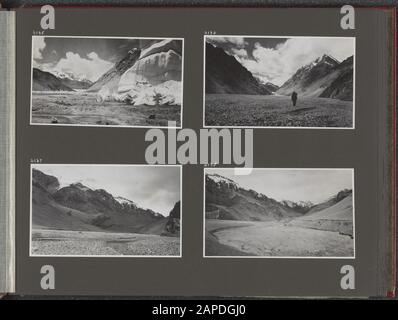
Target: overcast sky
point(277, 59)
point(153, 187)
point(295, 185)
point(84, 57)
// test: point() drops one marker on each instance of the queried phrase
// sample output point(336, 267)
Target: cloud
point(90, 68)
point(239, 53)
point(278, 64)
point(38, 45)
point(237, 42)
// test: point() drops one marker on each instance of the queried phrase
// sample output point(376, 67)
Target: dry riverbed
point(274, 238)
point(92, 243)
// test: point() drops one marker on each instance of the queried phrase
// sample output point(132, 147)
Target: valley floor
point(273, 238)
point(278, 111)
point(83, 108)
point(92, 243)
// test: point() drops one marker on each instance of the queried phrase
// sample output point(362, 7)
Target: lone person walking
point(294, 98)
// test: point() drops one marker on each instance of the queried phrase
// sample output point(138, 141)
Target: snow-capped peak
point(122, 201)
point(292, 204)
point(69, 75)
point(217, 178)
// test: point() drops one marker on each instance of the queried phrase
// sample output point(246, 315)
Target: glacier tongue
point(153, 79)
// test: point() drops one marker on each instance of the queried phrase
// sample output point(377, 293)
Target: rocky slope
point(78, 207)
point(342, 86)
point(331, 201)
point(325, 77)
point(271, 87)
point(224, 74)
point(112, 76)
point(172, 226)
point(337, 216)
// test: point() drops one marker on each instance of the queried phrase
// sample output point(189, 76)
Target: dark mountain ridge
point(224, 74)
point(46, 81)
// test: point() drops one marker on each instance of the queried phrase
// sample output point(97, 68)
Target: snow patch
point(156, 47)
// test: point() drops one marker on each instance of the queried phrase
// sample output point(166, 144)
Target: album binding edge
point(386, 268)
point(7, 152)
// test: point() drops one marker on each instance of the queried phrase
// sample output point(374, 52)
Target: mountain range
point(226, 200)
point(53, 81)
point(79, 208)
point(325, 77)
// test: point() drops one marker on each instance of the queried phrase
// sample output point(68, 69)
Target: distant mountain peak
point(70, 76)
point(328, 59)
point(324, 59)
point(271, 87)
point(324, 77)
point(300, 206)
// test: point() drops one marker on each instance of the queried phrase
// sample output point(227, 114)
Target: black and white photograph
point(289, 82)
point(279, 213)
point(105, 210)
point(95, 81)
